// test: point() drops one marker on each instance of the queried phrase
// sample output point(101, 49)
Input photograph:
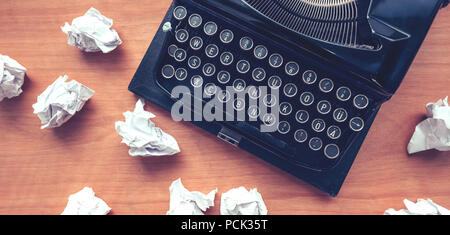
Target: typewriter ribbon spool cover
point(332, 64)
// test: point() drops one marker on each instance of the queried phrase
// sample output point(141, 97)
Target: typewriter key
point(343, 93)
point(318, 125)
point(326, 85)
point(258, 74)
point(260, 52)
point(334, 132)
point(269, 119)
point(269, 100)
point(224, 96)
point(290, 90)
point(309, 77)
point(209, 69)
point(226, 58)
point(181, 74)
point(292, 68)
point(210, 28)
point(243, 66)
point(274, 82)
point(315, 144)
point(253, 111)
point(182, 35)
point(301, 136)
point(196, 43)
point(361, 101)
point(195, 20)
point(284, 127)
point(246, 43)
point(356, 124)
point(285, 108)
point(302, 116)
point(331, 151)
point(180, 55)
point(223, 77)
point(239, 85)
point(196, 81)
point(306, 98)
point(276, 60)
point(179, 13)
point(194, 62)
point(172, 48)
point(226, 36)
point(210, 89)
point(340, 115)
point(212, 50)
point(167, 71)
point(253, 92)
point(239, 104)
point(324, 107)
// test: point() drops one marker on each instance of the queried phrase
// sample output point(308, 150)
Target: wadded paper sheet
point(92, 32)
point(422, 207)
point(184, 202)
point(11, 77)
point(239, 201)
point(86, 203)
point(60, 101)
point(142, 136)
point(434, 132)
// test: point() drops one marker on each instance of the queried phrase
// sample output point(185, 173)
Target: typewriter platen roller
point(334, 62)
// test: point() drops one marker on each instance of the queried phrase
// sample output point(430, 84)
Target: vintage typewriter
point(332, 64)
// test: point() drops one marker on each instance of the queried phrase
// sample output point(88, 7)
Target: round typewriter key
point(253, 111)
point(226, 36)
point(182, 35)
point(309, 77)
point(210, 89)
point(302, 116)
point(315, 144)
point(179, 13)
point(258, 74)
point(210, 28)
point(212, 50)
point(306, 98)
point(284, 127)
point(324, 107)
point(361, 101)
point(290, 90)
point(301, 136)
point(260, 52)
point(343, 93)
point(167, 71)
point(269, 119)
point(356, 124)
point(226, 58)
point(180, 55)
point(243, 66)
point(285, 108)
point(196, 43)
point(194, 62)
point(269, 100)
point(209, 69)
point(246, 43)
point(274, 82)
point(292, 68)
point(196, 81)
point(195, 20)
point(340, 115)
point(239, 85)
point(224, 96)
point(253, 92)
point(318, 125)
point(334, 132)
point(223, 77)
point(239, 104)
point(326, 85)
point(276, 60)
point(331, 151)
point(181, 74)
point(172, 49)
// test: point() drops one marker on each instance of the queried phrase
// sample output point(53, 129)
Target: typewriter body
point(329, 64)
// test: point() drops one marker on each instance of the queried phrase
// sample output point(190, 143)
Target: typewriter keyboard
point(319, 115)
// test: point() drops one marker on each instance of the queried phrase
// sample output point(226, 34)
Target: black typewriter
point(313, 74)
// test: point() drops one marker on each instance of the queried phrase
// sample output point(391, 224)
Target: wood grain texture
point(39, 169)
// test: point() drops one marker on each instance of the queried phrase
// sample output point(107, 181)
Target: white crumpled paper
point(184, 202)
point(239, 201)
point(85, 203)
point(422, 207)
point(11, 77)
point(60, 101)
point(92, 32)
point(434, 132)
point(167, 27)
point(143, 137)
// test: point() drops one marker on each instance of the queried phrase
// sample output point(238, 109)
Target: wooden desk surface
point(39, 169)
